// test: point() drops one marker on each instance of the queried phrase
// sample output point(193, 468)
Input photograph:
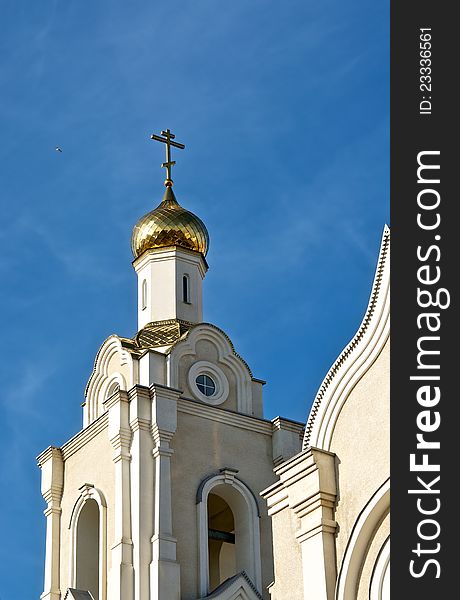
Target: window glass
point(206, 385)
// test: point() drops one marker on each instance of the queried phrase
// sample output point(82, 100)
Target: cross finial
point(168, 140)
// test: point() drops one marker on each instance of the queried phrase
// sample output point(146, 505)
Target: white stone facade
point(177, 488)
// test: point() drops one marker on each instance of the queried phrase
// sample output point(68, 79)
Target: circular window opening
point(206, 385)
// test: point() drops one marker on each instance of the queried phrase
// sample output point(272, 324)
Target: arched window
point(87, 549)
point(221, 541)
point(144, 295)
point(229, 535)
point(186, 289)
point(88, 531)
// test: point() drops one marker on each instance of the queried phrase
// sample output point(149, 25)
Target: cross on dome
point(168, 140)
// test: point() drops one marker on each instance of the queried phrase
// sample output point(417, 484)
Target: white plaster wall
point(163, 269)
point(124, 370)
point(361, 443)
point(152, 369)
point(287, 557)
point(194, 310)
point(201, 448)
point(90, 464)
point(206, 351)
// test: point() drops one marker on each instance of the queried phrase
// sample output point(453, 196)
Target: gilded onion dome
point(169, 225)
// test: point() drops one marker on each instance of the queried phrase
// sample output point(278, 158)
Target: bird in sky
point(58, 149)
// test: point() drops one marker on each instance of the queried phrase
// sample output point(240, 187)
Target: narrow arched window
point(228, 531)
point(186, 289)
point(87, 549)
point(221, 541)
point(144, 295)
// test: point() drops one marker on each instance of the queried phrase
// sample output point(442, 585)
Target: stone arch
point(245, 509)
point(379, 586)
point(115, 382)
point(88, 495)
point(362, 534)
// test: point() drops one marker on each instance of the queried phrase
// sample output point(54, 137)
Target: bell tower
point(157, 497)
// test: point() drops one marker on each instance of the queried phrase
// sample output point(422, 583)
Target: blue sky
point(284, 111)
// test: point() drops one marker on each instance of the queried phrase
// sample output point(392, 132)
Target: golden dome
point(169, 225)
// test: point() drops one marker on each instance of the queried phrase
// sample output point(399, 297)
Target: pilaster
point(164, 570)
point(142, 488)
point(52, 467)
point(286, 439)
point(121, 579)
point(307, 486)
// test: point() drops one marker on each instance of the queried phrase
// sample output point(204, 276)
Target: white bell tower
point(170, 282)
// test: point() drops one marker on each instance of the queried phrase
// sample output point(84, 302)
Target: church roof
point(73, 594)
point(161, 333)
point(241, 580)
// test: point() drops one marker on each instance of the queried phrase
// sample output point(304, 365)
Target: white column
point(142, 486)
point(164, 570)
point(120, 584)
point(308, 488)
point(52, 466)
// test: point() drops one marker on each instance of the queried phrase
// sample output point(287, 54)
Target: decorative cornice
point(53, 495)
point(370, 321)
point(84, 436)
point(161, 437)
point(308, 470)
point(138, 424)
point(288, 425)
point(168, 252)
point(47, 454)
point(221, 415)
point(116, 398)
point(163, 390)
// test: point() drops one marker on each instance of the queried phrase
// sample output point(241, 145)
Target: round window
point(206, 385)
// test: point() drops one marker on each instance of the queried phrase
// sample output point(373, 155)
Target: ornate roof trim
point(235, 579)
point(366, 344)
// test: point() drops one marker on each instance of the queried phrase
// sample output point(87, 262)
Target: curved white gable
point(226, 356)
point(113, 365)
point(355, 359)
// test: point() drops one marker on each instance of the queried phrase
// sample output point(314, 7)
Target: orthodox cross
point(168, 140)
